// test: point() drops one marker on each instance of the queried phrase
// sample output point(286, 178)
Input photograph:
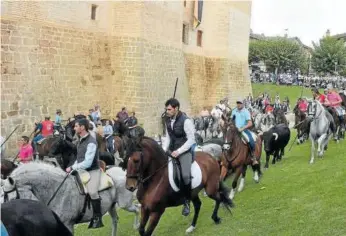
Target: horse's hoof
point(217, 220)
point(190, 229)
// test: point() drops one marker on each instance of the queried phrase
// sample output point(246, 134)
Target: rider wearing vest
point(88, 159)
point(179, 141)
point(242, 119)
point(44, 129)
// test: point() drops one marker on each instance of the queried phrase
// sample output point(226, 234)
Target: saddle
point(41, 141)
point(82, 177)
point(175, 178)
point(245, 138)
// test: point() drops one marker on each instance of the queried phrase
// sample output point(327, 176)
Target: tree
point(329, 56)
point(279, 54)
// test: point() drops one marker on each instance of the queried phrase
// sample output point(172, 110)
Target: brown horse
point(147, 170)
point(301, 124)
point(236, 156)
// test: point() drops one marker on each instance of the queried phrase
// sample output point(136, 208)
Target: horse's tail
point(62, 229)
point(224, 196)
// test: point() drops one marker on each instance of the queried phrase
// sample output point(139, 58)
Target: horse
point(7, 167)
point(280, 117)
point(267, 122)
point(343, 98)
point(338, 125)
point(202, 124)
point(236, 156)
point(58, 190)
point(301, 125)
point(319, 128)
point(19, 218)
point(148, 170)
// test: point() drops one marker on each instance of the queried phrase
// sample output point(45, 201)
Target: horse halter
point(312, 109)
point(11, 194)
point(139, 170)
point(227, 145)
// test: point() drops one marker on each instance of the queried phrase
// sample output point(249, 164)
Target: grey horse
point(40, 181)
point(320, 131)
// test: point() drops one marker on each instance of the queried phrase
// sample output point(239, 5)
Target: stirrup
point(96, 222)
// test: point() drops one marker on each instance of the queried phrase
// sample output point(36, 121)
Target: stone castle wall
point(54, 56)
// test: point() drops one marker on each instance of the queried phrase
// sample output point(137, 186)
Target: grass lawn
point(292, 198)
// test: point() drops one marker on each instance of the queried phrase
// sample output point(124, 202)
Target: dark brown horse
point(6, 168)
point(301, 124)
point(280, 117)
point(147, 170)
point(236, 156)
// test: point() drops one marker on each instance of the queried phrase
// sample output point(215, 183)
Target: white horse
point(320, 131)
point(41, 181)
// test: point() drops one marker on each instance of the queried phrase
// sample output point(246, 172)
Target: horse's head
point(144, 158)
point(312, 108)
point(230, 131)
point(8, 190)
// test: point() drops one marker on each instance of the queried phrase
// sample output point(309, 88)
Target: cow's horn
point(276, 136)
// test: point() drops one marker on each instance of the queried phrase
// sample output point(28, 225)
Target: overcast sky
point(307, 19)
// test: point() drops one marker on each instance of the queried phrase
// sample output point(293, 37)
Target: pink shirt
point(333, 98)
point(25, 153)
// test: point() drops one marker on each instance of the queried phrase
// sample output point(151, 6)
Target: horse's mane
point(37, 166)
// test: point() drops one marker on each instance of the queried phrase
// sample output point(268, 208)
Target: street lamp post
point(335, 64)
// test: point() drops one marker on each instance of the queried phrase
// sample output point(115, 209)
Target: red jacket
point(47, 128)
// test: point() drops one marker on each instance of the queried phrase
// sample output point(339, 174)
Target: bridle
point(140, 171)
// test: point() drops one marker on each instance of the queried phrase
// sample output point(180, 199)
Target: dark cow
point(275, 141)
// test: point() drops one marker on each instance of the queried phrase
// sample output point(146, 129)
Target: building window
point(184, 3)
point(185, 34)
point(199, 38)
point(93, 11)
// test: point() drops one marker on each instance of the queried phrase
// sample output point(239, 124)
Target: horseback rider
point(179, 141)
point(333, 100)
point(318, 96)
point(108, 135)
point(88, 159)
point(44, 129)
point(132, 123)
point(242, 120)
point(58, 120)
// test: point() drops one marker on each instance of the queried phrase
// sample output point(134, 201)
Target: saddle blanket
point(174, 175)
point(245, 138)
point(83, 177)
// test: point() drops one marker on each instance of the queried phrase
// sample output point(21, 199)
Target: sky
point(306, 19)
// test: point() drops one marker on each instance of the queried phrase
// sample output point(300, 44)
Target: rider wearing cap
point(242, 120)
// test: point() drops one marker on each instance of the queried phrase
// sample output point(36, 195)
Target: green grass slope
point(292, 198)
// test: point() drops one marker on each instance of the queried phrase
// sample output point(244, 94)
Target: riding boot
point(252, 156)
point(187, 193)
point(96, 221)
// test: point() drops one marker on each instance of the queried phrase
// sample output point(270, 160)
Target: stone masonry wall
point(53, 56)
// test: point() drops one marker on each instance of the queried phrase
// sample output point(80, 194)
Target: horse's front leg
point(238, 171)
point(242, 179)
point(320, 141)
point(144, 220)
point(135, 209)
point(224, 170)
point(312, 150)
point(154, 220)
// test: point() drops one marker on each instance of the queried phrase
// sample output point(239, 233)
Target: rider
point(132, 123)
point(108, 134)
point(58, 120)
point(88, 159)
point(242, 119)
point(334, 100)
point(318, 96)
point(44, 129)
point(180, 139)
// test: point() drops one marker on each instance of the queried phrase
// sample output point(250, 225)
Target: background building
point(73, 54)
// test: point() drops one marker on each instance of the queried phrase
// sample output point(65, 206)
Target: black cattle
point(23, 217)
point(275, 141)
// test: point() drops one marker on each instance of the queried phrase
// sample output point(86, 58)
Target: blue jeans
point(251, 140)
point(37, 138)
point(110, 144)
